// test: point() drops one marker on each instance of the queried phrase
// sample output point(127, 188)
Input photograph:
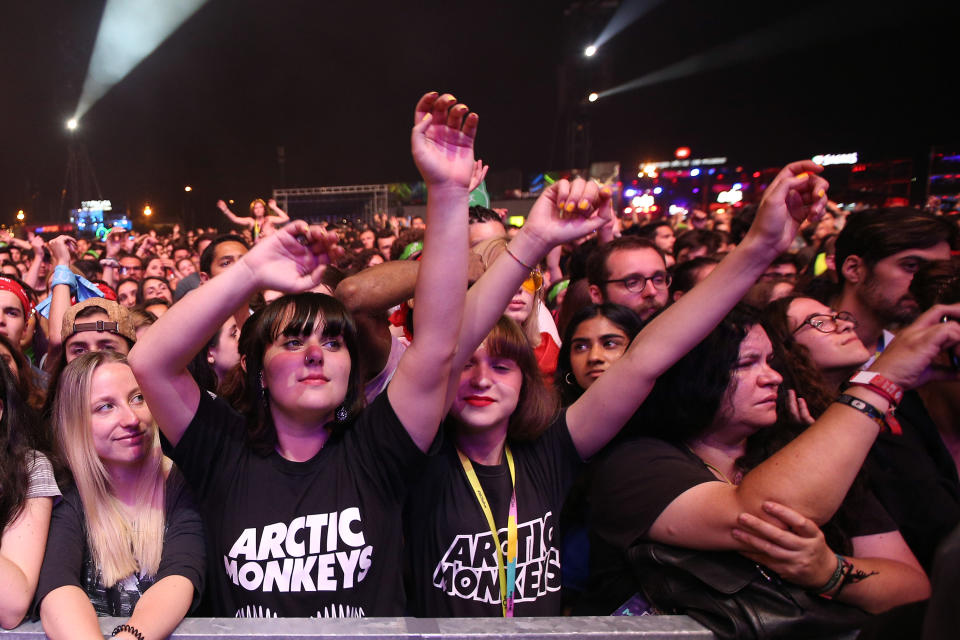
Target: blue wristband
point(63, 275)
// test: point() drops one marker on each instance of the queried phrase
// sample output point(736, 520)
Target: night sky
point(335, 84)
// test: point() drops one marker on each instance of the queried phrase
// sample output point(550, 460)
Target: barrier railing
point(618, 628)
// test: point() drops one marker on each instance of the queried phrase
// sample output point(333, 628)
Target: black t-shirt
point(915, 478)
point(68, 561)
point(451, 567)
point(302, 539)
point(631, 488)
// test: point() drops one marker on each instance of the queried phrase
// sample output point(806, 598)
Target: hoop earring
point(567, 379)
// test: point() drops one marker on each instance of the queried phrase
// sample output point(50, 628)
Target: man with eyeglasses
point(778, 281)
point(630, 271)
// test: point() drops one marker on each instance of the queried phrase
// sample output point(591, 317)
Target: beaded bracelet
point(129, 628)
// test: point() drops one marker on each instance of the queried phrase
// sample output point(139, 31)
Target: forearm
point(380, 287)
point(161, 608)
point(489, 296)
point(59, 303)
point(32, 276)
point(170, 343)
point(442, 280)
point(813, 473)
point(878, 584)
point(234, 218)
point(66, 613)
point(686, 322)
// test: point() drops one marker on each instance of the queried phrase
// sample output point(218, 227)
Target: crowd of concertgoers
point(451, 416)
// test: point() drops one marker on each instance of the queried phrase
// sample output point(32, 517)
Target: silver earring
point(567, 379)
point(341, 414)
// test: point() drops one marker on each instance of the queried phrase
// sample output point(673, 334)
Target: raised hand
point(62, 249)
point(222, 205)
point(788, 543)
point(797, 193)
point(567, 210)
point(442, 141)
point(797, 406)
point(479, 173)
point(293, 258)
point(114, 241)
point(908, 360)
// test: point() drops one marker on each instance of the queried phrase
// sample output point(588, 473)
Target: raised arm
point(563, 212)
point(235, 219)
point(280, 214)
point(32, 276)
point(292, 259)
point(442, 146)
point(604, 408)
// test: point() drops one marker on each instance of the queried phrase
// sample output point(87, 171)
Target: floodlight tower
point(80, 182)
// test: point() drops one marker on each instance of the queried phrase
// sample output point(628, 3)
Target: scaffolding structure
point(334, 204)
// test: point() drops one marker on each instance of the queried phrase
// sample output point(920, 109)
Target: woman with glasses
point(481, 530)
point(715, 470)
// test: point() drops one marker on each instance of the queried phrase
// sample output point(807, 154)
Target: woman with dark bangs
point(302, 490)
point(481, 527)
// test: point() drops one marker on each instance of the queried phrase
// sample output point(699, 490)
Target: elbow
point(14, 612)
point(348, 292)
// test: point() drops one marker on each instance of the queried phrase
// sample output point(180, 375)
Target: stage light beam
point(130, 30)
point(589, 51)
point(627, 13)
point(593, 97)
point(72, 124)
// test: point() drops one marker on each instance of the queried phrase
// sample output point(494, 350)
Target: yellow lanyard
point(507, 573)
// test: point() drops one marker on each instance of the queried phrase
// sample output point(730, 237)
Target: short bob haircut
point(292, 315)
point(624, 317)
point(538, 404)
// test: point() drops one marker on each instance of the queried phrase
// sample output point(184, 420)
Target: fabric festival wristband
point(870, 411)
point(63, 275)
point(889, 390)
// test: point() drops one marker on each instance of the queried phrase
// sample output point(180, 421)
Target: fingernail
point(821, 193)
point(570, 207)
point(425, 117)
point(606, 191)
point(803, 175)
point(736, 533)
point(584, 204)
point(768, 506)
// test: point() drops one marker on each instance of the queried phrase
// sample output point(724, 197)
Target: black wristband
point(129, 628)
point(863, 407)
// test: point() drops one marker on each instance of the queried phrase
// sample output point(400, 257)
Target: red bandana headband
point(6, 284)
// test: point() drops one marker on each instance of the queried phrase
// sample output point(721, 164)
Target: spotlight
point(188, 188)
point(147, 210)
point(593, 96)
point(20, 215)
point(694, 173)
point(72, 124)
point(589, 51)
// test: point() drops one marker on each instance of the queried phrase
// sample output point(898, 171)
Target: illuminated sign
point(96, 205)
point(835, 158)
point(694, 162)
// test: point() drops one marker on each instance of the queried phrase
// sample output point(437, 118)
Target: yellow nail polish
point(584, 204)
point(570, 207)
point(606, 191)
point(821, 193)
point(803, 175)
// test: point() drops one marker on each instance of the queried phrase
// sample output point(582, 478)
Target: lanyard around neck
point(508, 574)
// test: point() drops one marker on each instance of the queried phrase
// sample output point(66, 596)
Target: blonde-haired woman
point(126, 541)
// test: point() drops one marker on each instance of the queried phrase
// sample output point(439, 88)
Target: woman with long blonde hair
point(127, 540)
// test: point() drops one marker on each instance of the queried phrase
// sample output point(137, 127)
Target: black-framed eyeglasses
point(827, 322)
point(773, 276)
point(637, 283)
